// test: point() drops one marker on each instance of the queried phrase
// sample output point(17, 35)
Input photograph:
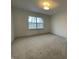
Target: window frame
point(35, 23)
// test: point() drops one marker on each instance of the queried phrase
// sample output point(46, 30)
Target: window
point(35, 23)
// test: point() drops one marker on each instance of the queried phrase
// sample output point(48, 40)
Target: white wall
point(59, 24)
point(20, 23)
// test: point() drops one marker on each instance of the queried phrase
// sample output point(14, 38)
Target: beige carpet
point(40, 47)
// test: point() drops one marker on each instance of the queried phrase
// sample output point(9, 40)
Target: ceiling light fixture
point(46, 8)
point(47, 4)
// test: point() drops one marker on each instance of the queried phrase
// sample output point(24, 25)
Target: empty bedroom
point(38, 29)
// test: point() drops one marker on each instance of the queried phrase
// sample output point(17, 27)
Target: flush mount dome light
point(47, 4)
point(46, 8)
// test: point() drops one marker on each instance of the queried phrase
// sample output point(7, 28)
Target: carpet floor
point(40, 47)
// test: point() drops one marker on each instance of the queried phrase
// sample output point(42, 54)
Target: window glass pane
point(39, 20)
point(32, 22)
point(32, 19)
point(32, 26)
point(40, 25)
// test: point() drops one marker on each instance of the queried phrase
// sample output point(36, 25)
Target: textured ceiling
point(32, 5)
